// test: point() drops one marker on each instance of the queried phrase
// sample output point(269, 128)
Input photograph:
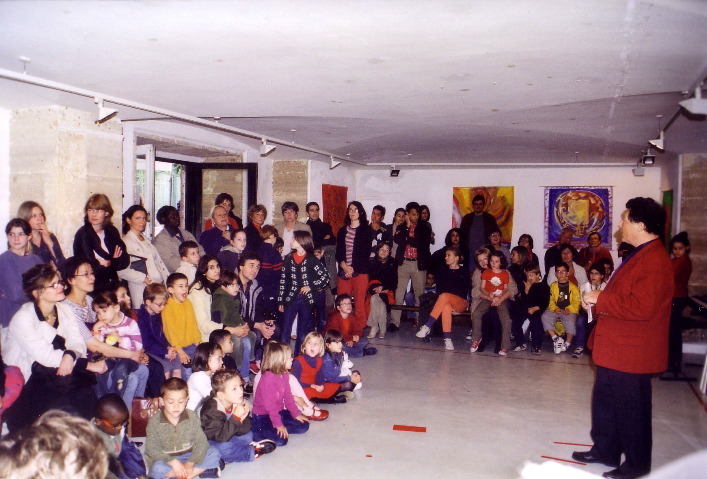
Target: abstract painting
point(334, 201)
point(582, 209)
point(499, 203)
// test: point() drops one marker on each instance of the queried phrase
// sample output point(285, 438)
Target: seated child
point(563, 307)
point(275, 412)
point(207, 359)
point(310, 410)
point(116, 329)
point(307, 368)
point(11, 383)
point(124, 459)
point(176, 446)
point(122, 292)
point(337, 366)
point(154, 298)
point(226, 308)
point(179, 320)
point(355, 344)
point(189, 252)
point(534, 298)
point(225, 419)
point(494, 294)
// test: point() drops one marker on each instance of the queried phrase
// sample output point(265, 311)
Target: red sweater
point(682, 269)
point(347, 327)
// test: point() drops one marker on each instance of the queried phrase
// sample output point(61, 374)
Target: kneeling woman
point(43, 340)
point(453, 290)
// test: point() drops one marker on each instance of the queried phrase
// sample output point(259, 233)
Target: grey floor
point(485, 416)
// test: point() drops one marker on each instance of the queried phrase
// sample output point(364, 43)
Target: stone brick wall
point(59, 157)
point(693, 213)
point(290, 181)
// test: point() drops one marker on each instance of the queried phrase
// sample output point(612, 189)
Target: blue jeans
point(159, 468)
point(320, 310)
point(300, 309)
point(236, 449)
point(262, 427)
point(135, 384)
point(356, 351)
point(242, 348)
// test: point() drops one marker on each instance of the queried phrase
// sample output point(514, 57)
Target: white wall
point(342, 175)
point(5, 117)
point(434, 188)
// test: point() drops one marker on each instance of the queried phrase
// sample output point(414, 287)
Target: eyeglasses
point(56, 284)
point(112, 426)
point(86, 275)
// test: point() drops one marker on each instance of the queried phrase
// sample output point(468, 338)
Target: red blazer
point(631, 334)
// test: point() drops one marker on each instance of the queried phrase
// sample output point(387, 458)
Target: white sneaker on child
point(423, 332)
point(448, 345)
point(358, 386)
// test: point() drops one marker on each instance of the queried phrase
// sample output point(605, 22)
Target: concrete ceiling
point(508, 81)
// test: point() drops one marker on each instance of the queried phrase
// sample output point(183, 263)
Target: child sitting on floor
point(563, 307)
point(176, 446)
point(154, 299)
point(225, 419)
point(124, 458)
point(336, 365)
point(275, 412)
point(343, 320)
point(307, 368)
point(207, 359)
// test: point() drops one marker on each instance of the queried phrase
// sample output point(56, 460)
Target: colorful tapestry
point(499, 203)
point(334, 201)
point(583, 209)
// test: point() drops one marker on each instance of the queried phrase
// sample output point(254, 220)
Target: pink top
point(273, 395)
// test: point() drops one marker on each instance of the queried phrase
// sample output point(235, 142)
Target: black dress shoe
point(619, 474)
point(589, 457)
point(392, 328)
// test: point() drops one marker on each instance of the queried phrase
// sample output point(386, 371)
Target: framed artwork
point(499, 203)
point(583, 209)
point(334, 201)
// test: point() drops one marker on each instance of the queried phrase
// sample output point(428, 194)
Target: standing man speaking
point(630, 343)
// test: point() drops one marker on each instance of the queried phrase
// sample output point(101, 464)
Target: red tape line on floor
point(398, 427)
point(563, 460)
point(572, 444)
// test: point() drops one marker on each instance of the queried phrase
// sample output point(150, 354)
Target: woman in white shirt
point(146, 265)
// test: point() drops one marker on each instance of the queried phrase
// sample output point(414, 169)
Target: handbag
point(139, 264)
point(141, 411)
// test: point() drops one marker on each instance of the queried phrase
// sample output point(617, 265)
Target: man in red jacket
point(630, 343)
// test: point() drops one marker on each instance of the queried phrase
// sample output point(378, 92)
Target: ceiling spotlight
point(659, 143)
point(333, 163)
point(394, 172)
point(266, 149)
point(104, 114)
point(696, 105)
point(648, 160)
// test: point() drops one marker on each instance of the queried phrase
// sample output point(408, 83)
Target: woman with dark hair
point(225, 200)
point(453, 238)
point(383, 276)
point(99, 242)
point(527, 241)
point(578, 275)
point(425, 218)
point(519, 257)
point(43, 243)
point(146, 266)
point(168, 240)
point(256, 219)
point(353, 250)
point(43, 340)
point(303, 275)
point(206, 282)
point(270, 266)
point(13, 263)
point(398, 219)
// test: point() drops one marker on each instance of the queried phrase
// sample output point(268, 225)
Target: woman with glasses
point(44, 341)
point(99, 242)
point(42, 242)
point(13, 263)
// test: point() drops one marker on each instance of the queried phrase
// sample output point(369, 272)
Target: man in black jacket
point(477, 225)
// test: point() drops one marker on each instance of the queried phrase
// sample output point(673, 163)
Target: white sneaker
point(358, 386)
point(423, 332)
point(374, 331)
point(558, 343)
point(565, 346)
point(448, 345)
point(468, 337)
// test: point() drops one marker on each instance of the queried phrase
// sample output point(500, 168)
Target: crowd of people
point(205, 323)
